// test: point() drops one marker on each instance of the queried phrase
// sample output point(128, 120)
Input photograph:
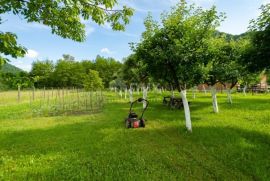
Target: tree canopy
point(257, 56)
point(174, 50)
point(64, 17)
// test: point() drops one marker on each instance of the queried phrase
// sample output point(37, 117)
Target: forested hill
point(230, 36)
point(8, 68)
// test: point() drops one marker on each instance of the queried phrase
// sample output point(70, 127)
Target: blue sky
point(101, 40)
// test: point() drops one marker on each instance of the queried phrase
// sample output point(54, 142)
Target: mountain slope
point(8, 68)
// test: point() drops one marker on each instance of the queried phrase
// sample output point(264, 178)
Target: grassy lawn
point(231, 145)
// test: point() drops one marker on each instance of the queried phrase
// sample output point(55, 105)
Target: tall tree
point(224, 65)
point(177, 46)
point(257, 56)
point(43, 72)
point(106, 68)
point(64, 17)
point(92, 81)
point(135, 71)
point(68, 73)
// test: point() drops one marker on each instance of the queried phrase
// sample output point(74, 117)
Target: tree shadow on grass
point(105, 150)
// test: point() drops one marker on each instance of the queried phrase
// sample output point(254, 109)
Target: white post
point(204, 89)
point(125, 93)
point(214, 99)
point(19, 93)
point(145, 89)
point(172, 91)
point(229, 96)
point(120, 93)
point(194, 92)
point(186, 109)
point(244, 90)
point(130, 94)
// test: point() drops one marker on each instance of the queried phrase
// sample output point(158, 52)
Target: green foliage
point(92, 81)
point(68, 73)
point(257, 56)
point(64, 16)
point(42, 71)
point(12, 81)
point(262, 22)
point(9, 46)
point(107, 67)
point(224, 61)
point(134, 70)
point(175, 51)
point(8, 68)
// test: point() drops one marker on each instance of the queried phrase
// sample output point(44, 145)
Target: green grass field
point(231, 145)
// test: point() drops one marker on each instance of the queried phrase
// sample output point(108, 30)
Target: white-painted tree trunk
point(130, 94)
point(125, 93)
point(244, 90)
point(172, 92)
point(120, 93)
point(138, 90)
point(186, 109)
point(115, 90)
point(173, 95)
point(229, 96)
point(214, 99)
point(194, 92)
point(204, 89)
point(19, 93)
point(145, 89)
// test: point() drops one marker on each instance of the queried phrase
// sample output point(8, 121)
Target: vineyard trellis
point(54, 102)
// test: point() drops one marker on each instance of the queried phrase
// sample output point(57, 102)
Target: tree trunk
point(19, 93)
point(172, 91)
point(214, 99)
point(173, 94)
point(120, 93)
point(186, 109)
point(126, 93)
point(194, 92)
point(244, 90)
point(204, 89)
point(229, 95)
point(130, 94)
point(145, 89)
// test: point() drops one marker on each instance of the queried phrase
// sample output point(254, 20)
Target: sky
point(102, 40)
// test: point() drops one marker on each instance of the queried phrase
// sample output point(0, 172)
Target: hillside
point(8, 68)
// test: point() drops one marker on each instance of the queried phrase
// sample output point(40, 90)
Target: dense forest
point(65, 73)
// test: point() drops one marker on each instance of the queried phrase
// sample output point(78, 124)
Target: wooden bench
point(173, 102)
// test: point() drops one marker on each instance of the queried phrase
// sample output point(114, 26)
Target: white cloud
point(106, 51)
point(89, 30)
point(266, 1)
point(107, 26)
point(37, 26)
point(31, 54)
point(22, 64)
